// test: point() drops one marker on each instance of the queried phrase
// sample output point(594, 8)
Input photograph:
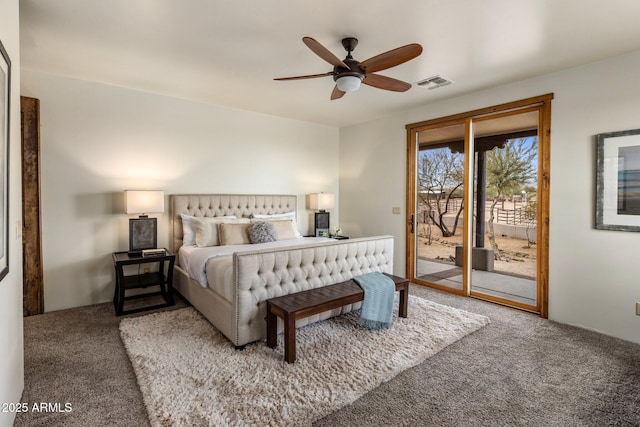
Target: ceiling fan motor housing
point(354, 70)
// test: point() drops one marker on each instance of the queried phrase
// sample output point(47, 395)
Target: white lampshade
point(322, 201)
point(348, 83)
point(143, 202)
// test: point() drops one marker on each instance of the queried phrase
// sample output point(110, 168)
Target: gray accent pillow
point(262, 232)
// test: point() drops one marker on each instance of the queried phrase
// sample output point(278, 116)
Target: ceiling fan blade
point(391, 58)
point(310, 76)
point(386, 83)
point(323, 52)
point(337, 93)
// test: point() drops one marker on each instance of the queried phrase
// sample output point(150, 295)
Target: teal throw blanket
point(377, 305)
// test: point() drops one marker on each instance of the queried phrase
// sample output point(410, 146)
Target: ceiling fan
point(349, 73)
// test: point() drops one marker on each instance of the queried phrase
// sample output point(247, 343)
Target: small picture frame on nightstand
point(322, 232)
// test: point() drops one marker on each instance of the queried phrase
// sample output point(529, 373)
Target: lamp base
point(321, 224)
point(143, 234)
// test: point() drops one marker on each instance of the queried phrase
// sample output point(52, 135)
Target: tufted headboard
point(211, 205)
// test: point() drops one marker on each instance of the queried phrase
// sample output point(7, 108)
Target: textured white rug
point(190, 374)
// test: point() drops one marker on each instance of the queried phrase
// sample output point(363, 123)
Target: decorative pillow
point(206, 229)
point(188, 230)
point(233, 234)
point(262, 232)
point(288, 216)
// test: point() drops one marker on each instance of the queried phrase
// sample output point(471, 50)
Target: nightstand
point(144, 279)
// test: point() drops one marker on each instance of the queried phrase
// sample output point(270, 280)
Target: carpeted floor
point(518, 370)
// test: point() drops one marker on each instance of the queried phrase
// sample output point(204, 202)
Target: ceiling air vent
point(434, 82)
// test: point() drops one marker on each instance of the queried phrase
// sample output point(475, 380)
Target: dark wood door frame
point(32, 280)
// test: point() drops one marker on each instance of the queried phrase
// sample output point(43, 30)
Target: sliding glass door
point(478, 205)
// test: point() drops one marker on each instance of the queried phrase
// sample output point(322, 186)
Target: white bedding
point(217, 260)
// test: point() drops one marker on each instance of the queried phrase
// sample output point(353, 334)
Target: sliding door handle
point(411, 221)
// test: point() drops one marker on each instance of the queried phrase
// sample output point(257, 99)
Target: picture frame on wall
point(5, 104)
point(618, 180)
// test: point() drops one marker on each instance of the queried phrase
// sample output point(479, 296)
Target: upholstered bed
point(234, 277)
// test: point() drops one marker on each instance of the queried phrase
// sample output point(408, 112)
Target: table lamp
point(321, 202)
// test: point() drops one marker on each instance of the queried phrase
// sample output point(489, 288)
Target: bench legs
point(289, 332)
point(290, 339)
point(272, 327)
point(403, 305)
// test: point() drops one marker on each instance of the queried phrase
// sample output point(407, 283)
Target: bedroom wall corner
point(11, 326)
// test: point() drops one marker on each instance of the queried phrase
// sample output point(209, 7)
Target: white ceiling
point(228, 51)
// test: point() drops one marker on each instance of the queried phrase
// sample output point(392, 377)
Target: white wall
point(593, 279)
point(99, 140)
point(11, 337)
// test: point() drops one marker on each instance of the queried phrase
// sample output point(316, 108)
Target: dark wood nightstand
point(143, 280)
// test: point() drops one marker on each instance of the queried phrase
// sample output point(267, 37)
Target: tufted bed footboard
point(267, 274)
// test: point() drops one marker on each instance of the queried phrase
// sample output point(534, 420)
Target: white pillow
point(279, 217)
point(285, 229)
point(188, 233)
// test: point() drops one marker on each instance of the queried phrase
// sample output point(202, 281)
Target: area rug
point(191, 375)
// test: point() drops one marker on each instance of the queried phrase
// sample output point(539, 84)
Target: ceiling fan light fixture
point(349, 83)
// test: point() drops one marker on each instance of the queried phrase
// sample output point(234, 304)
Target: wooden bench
point(313, 301)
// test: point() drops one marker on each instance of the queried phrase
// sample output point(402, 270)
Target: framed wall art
point(618, 180)
point(5, 96)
